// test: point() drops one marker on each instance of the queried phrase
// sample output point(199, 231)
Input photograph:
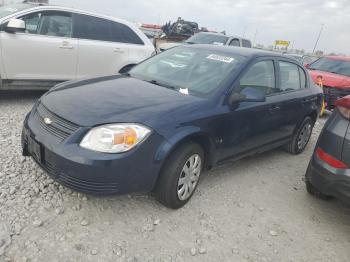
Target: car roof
point(69, 9)
point(247, 52)
point(295, 55)
point(340, 58)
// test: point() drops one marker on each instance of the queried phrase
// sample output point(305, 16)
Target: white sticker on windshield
point(225, 59)
point(183, 91)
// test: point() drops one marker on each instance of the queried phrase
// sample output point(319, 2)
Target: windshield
point(207, 39)
point(331, 65)
point(188, 70)
point(11, 9)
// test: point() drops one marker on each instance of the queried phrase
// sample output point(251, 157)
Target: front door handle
point(274, 108)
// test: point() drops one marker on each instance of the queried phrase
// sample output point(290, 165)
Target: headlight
point(114, 138)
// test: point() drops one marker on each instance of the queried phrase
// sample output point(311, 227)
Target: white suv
point(42, 45)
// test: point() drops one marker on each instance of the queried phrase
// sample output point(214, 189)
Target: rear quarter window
point(290, 77)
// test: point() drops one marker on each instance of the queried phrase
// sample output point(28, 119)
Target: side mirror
point(248, 94)
point(16, 25)
point(307, 65)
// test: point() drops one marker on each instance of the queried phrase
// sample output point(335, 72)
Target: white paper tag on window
point(183, 91)
point(225, 59)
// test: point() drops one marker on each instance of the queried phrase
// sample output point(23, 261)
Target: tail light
point(343, 106)
point(330, 160)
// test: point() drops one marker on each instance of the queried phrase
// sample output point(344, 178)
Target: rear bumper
point(328, 180)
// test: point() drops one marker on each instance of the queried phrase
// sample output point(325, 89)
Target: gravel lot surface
point(255, 209)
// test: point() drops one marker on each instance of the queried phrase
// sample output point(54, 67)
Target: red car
point(333, 74)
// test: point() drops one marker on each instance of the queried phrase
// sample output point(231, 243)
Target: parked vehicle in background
point(328, 174)
point(42, 45)
point(333, 74)
point(303, 59)
point(211, 38)
point(170, 118)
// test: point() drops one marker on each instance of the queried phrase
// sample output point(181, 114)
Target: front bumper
point(88, 171)
point(328, 180)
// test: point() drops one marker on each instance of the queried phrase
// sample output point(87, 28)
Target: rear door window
point(289, 77)
point(92, 28)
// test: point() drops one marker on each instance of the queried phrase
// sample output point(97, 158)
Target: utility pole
point(318, 38)
point(254, 41)
point(245, 28)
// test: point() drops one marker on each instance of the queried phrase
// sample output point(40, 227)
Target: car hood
point(331, 80)
point(118, 99)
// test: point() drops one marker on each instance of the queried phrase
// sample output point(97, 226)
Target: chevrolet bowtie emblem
point(47, 121)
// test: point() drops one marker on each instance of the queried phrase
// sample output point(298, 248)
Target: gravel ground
point(255, 209)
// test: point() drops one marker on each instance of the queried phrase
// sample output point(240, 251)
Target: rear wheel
point(301, 137)
point(180, 176)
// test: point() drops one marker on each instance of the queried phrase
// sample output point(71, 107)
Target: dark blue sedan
point(158, 127)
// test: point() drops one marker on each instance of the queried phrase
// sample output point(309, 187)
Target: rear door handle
point(119, 50)
point(310, 99)
point(66, 45)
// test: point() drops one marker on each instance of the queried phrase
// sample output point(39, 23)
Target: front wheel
point(301, 137)
point(180, 176)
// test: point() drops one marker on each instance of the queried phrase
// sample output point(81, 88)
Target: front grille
point(58, 127)
point(88, 186)
point(76, 183)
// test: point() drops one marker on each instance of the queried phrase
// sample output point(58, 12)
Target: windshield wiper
point(155, 82)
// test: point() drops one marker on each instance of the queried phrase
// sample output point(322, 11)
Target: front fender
point(190, 132)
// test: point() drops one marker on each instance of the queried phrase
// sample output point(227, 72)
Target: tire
point(315, 192)
point(301, 137)
point(169, 191)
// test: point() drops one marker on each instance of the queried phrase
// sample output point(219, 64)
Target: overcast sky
point(297, 20)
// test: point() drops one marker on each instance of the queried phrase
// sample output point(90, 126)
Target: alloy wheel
point(304, 136)
point(189, 177)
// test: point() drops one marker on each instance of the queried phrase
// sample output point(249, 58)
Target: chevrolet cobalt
point(159, 126)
